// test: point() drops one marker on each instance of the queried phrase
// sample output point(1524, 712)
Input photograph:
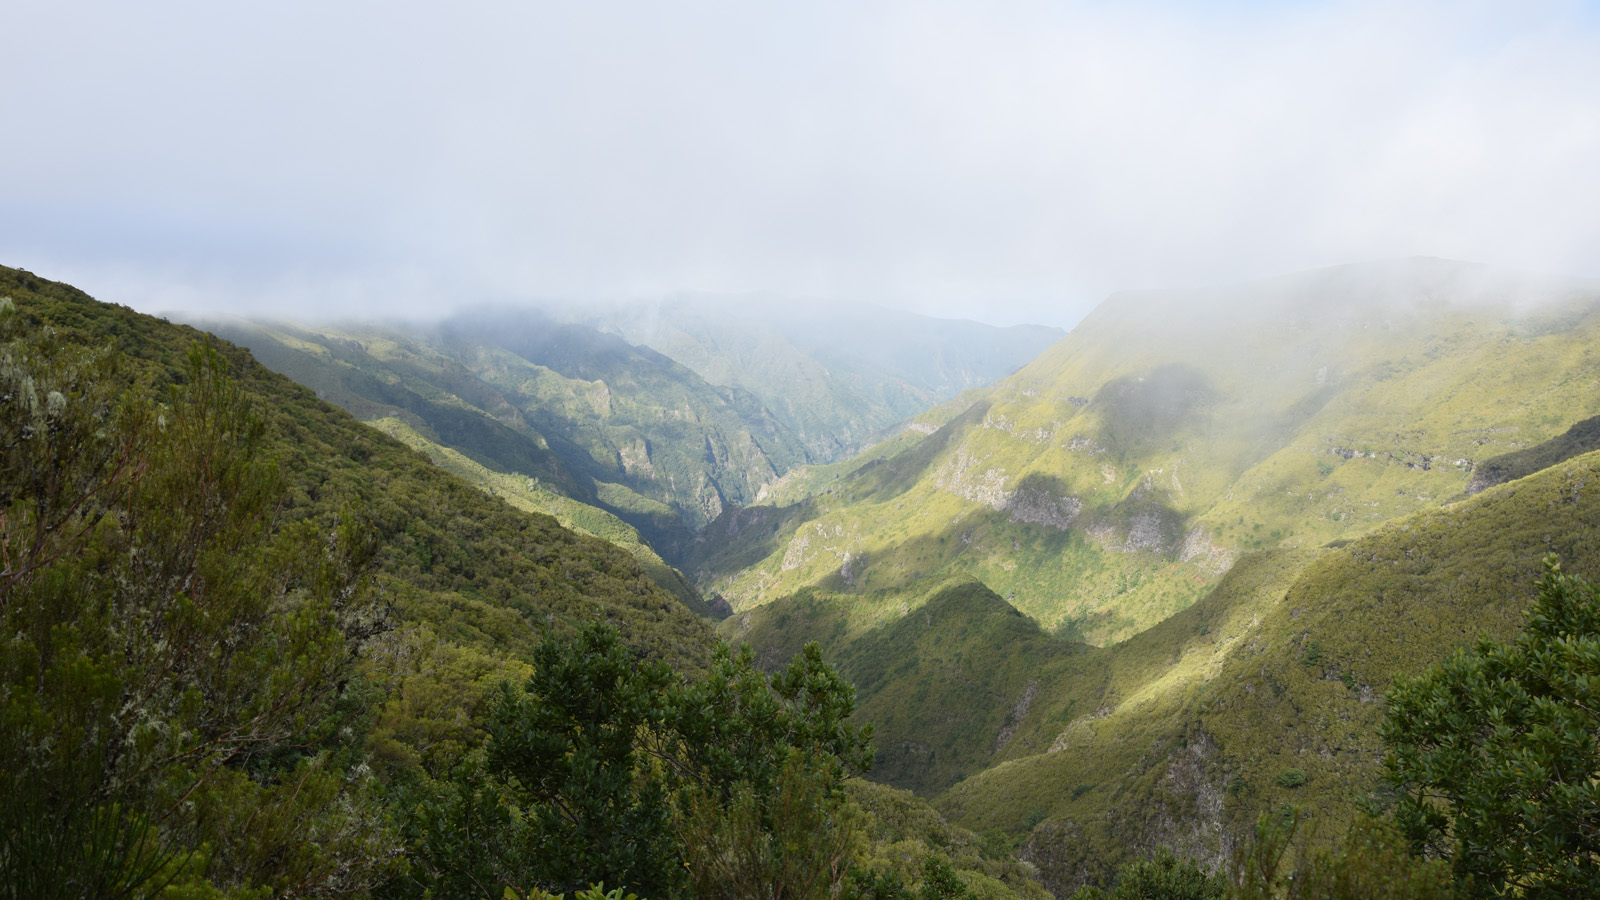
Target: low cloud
point(1001, 162)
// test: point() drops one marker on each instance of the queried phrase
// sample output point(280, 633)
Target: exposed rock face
point(852, 567)
point(830, 541)
point(1190, 820)
point(960, 476)
point(795, 555)
point(634, 459)
point(1037, 506)
point(1183, 812)
point(1145, 532)
point(741, 518)
point(1018, 713)
point(1052, 849)
point(1081, 444)
point(1034, 502)
point(1152, 529)
point(1198, 549)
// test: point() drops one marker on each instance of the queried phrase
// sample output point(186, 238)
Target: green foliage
point(533, 495)
point(1496, 755)
point(903, 833)
point(1291, 779)
point(1192, 721)
point(605, 767)
point(795, 840)
point(1583, 437)
point(170, 657)
point(928, 668)
point(1162, 877)
point(566, 749)
point(619, 429)
point(939, 881)
point(200, 564)
point(1373, 861)
point(837, 375)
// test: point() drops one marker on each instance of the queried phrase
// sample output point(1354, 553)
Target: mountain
point(1267, 691)
point(459, 591)
point(838, 375)
point(1113, 481)
point(571, 412)
point(620, 440)
point(240, 624)
point(445, 547)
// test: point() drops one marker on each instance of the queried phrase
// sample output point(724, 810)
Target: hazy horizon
point(1007, 165)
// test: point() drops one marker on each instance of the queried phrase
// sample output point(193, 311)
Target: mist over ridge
point(1106, 484)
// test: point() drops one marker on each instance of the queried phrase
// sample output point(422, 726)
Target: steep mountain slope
point(1113, 481)
point(472, 580)
point(586, 415)
point(1265, 692)
point(944, 676)
point(836, 374)
point(530, 495)
point(1581, 438)
point(1283, 706)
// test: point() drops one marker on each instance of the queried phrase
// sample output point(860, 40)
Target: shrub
point(1495, 753)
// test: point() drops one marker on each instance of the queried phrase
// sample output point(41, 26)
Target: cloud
point(1006, 162)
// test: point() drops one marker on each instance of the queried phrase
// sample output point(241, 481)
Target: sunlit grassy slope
point(1113, 481)
point(1265, 692)
point(1246, 695)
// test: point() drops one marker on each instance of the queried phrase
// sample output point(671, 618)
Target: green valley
point(256, 648)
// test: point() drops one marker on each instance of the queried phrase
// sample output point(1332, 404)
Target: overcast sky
point(1000, 161)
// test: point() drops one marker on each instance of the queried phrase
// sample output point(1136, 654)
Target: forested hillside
point(255, 648)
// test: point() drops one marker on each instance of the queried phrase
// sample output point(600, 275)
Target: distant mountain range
point(836, 374)
point(624, 441)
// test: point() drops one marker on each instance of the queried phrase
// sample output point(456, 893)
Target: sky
point(1001, 161)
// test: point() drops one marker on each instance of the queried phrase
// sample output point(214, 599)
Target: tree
point(795, 843)
point(1496, 757)
point(602, 768)
point(175, 669)
point(1372, 862)
point(1162, 877)
point(568, 747)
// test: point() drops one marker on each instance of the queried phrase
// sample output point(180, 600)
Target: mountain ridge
point(1110, 482)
